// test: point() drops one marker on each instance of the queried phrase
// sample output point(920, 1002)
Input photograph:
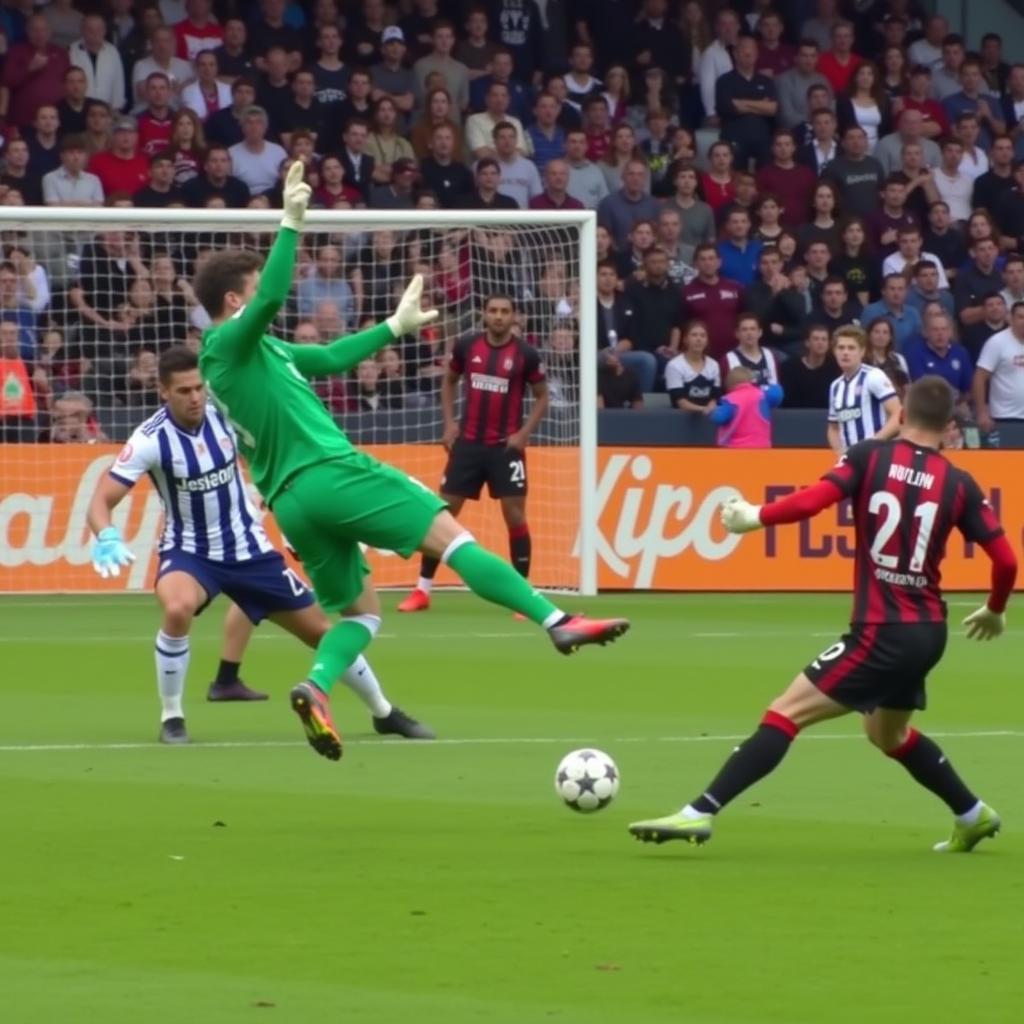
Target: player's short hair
point(922, 265)
point(177, 359)
point(929, 403)
point(224, 272)
point(500, 297)
point(744, 317)
point(853, 333)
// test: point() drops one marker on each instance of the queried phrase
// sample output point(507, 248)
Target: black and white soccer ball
point(587, 780)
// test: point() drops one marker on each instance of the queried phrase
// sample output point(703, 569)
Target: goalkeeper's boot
point(577, 631)
point(173, 732)
point(310, 703)
point(417, 601)
point(236, 690)
point(966, 837)
point(398, 723)
point(694, 831)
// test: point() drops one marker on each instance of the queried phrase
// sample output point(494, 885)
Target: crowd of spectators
point(813, 163)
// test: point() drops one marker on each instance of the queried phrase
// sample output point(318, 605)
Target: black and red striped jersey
point(496, 379)
point(906, 501)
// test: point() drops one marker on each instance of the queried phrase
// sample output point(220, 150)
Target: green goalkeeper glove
point(409, 317)
point(296, 197)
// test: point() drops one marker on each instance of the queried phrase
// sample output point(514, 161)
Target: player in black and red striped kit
point(907, 500)
point(489, 444)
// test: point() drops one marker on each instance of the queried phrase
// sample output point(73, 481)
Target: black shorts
point(471, 465)
point(880, 666)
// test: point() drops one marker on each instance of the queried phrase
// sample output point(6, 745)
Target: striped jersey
point(906, 501)
point(855, 403)
point(496, 381)
point(765, 369)
point(207, 511)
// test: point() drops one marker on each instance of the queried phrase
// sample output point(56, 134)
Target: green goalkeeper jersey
point(259, 382)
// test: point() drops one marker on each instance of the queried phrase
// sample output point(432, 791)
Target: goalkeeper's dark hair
point(177, 359)
point(500, 297)
point(224, 272)
point(929, 404)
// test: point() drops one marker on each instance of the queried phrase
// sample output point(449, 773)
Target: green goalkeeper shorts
point(328, 510)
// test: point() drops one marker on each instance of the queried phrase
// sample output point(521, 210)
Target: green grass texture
point(244, 879)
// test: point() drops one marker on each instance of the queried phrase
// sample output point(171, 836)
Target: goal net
point(90, 298)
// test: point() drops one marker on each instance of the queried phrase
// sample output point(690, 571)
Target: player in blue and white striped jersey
point(862, 403)
point(212, 543)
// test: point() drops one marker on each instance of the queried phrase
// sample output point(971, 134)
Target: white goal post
point(99, 292)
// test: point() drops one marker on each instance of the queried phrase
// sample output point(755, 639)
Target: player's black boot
point(236, 690)
point(398, 723)
point(172, 731)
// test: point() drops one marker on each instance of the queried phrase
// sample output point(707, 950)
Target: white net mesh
point(86, 309)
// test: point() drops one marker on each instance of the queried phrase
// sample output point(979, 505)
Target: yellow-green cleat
point(674, 826)
point(966, 837)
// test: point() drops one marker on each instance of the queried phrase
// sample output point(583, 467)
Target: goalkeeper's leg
point(419, 599)
point(312, 626)
point(493, 579)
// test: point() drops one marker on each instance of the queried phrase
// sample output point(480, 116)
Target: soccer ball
point(587, 780)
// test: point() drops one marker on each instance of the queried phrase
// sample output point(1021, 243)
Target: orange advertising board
point(657, 525)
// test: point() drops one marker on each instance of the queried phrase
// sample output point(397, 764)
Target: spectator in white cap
point(391, 77)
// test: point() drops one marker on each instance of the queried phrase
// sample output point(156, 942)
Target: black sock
point(750, 762)
point(924, 759)
point(520, 547)
point(227, 673)
point(428, 567)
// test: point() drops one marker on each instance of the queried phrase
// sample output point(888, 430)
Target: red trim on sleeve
point(1004, 571)
point(803, 504)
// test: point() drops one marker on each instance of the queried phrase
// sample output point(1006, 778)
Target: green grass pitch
point(246, 879)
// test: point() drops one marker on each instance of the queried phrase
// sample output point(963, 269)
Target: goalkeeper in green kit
point(327, 497)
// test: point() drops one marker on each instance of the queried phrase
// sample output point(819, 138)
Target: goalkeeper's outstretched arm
point(241, 332)
point(346, 353)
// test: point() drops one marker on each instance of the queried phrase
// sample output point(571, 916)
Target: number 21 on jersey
point(887, 507)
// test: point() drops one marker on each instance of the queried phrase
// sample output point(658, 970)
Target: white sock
point(172, 656)
point(553, 619)
point(426, 585)
point(359, 678)
point(690, 812)
point(971, 816)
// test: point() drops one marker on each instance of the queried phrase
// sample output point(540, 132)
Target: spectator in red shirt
point(919, 97)
point(556, 184)
point(793, 183)
point(887, 222)
point(713, 299)
point(155, 121)
point(718, 184)
point(332, 185)
point(597, 125)
point(33, 74)
point(122, 168)
point(840, 63)
point(198, 31)
point(773, 55)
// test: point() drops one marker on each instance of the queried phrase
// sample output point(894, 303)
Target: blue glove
point(110, 552)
